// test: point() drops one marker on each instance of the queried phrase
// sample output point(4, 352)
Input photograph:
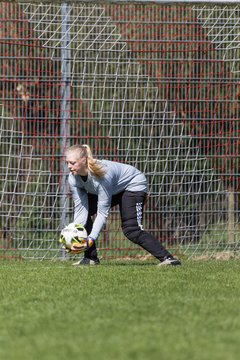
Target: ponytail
point(93, 165)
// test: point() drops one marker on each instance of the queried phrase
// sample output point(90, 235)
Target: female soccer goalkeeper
point(98, 185)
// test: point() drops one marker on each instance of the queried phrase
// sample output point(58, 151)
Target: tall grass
point(51, 310)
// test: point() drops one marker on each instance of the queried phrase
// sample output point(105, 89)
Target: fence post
point(65, 111)
point(231, 217)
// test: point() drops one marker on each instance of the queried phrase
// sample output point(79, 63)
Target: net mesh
point(156, 86)
point(221, 24)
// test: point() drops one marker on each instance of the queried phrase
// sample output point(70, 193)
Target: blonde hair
point(92, 164)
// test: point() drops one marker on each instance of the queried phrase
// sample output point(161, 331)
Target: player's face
point(76, 165)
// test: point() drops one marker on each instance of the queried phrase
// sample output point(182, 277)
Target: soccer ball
point(73, 234)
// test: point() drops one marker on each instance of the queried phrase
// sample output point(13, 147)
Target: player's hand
point(82, 246)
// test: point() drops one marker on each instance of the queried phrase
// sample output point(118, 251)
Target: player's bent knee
point(132, 234)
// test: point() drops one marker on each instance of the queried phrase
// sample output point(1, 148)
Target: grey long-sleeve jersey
point(119, 177)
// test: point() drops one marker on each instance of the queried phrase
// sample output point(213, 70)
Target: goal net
point(155, 85)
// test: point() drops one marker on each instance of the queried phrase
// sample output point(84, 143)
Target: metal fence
point(153, 84)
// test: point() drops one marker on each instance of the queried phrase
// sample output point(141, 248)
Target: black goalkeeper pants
point(131, 205)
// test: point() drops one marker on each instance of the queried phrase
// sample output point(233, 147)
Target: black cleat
point(170, 261)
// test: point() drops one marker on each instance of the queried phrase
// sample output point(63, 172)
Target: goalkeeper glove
point(82, 246)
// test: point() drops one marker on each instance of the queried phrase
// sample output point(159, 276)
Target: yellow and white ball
point(73, 234)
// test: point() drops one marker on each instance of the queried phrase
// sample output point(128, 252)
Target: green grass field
point(51, 310)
